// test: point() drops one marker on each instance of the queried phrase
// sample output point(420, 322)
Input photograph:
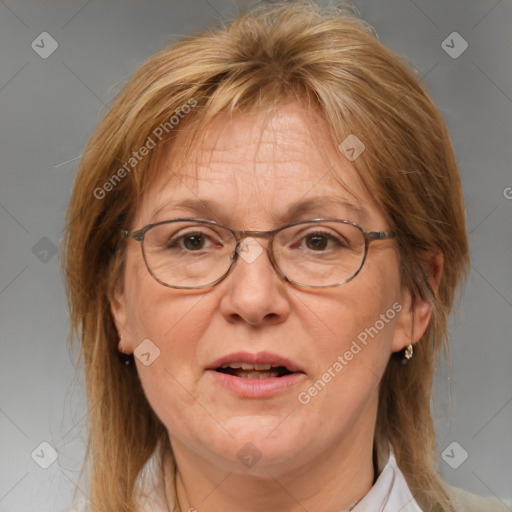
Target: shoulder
point(469, 502)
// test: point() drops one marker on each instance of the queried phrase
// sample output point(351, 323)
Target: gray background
point(49, 107)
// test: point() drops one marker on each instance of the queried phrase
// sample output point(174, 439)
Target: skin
point(316, 456)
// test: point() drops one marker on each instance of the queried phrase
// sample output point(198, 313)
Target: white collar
point(390, 493)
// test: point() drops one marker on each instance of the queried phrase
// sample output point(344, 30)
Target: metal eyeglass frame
point(240, 235)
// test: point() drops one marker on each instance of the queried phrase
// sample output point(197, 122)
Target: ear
point(416, 312)
point(118, 310)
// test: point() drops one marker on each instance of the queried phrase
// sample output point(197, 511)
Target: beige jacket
point(469, 502)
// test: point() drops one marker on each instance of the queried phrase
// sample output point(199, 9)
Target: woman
point(263, 244)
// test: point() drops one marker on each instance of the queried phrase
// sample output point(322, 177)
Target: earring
point(408, 352)
point(126, 359)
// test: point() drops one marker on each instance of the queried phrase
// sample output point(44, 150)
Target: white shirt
point(390, 493)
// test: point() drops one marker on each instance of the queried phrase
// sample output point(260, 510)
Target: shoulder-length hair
point(329, 59)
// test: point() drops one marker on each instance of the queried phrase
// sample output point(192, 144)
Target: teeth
point(262, 366)
point(247, 366)
point(257, 375)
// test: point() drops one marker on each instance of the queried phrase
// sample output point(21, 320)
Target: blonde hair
point(330, 59)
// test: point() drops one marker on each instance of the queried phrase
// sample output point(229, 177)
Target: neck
point(337, 479)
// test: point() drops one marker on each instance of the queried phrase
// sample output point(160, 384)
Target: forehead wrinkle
point(272, 135)
point(274, 139)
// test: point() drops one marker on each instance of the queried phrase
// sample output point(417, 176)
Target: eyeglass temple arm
point(380, 235)
point(135, 235)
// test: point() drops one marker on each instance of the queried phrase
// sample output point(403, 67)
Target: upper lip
point(257, 358)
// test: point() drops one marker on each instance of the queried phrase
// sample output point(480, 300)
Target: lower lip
point(256, 388)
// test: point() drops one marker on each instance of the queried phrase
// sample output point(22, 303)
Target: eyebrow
point(209, 207)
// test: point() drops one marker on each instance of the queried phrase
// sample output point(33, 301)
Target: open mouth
point(258, 375)
point(253, 371)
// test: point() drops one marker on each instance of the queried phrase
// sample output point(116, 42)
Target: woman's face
point(251, 171)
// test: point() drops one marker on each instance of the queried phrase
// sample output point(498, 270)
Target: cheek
point(360, 310)
point(159, 313)
point(350, 365)
point(353, 339)
point(176, 326)
point(169, 397)
point(174, 321)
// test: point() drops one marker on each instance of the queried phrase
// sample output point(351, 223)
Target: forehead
point(256, 165)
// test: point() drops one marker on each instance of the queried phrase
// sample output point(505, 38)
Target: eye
point(321, 241)
point(194, 241)
point(316, 242)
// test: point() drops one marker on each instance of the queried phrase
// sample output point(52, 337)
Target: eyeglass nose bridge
point(242, 235)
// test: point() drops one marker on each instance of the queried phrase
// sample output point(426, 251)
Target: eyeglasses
point(196, 253)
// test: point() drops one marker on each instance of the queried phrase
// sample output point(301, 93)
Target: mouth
point(253, 371)
point(261, 365)
point(260, 375)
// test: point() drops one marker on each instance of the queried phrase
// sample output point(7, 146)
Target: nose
point(253, 291)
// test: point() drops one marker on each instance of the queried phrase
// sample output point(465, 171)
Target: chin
point(259, 442)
